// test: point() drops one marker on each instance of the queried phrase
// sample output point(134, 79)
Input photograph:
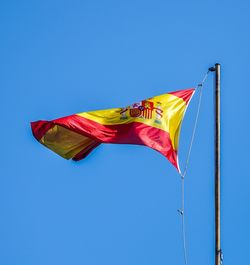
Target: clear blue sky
point(119, 205)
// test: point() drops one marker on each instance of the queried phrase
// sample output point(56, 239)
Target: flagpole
point(217, 165)
point(218, 253)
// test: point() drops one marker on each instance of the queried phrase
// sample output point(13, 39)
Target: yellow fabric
point(65, 142)
point(164, 112)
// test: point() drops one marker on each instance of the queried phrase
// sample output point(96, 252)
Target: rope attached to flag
point(182, 210)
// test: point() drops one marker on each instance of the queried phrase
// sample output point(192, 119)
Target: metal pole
point(218, 252)
point(217, 166)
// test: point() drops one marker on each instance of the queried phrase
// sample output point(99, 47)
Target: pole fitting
point(180, 211)
point(220, 253)
point(211, 69)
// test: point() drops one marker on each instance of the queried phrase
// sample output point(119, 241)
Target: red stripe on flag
point(39, 128)
point(184, 94)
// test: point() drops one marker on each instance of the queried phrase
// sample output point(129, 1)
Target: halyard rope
point(182, 210)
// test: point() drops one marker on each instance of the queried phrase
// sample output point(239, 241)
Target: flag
point(154, 122)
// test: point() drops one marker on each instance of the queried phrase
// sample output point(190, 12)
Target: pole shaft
point(217, 166)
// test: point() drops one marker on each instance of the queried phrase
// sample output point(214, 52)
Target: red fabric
point(39, 128)
point(184, 94)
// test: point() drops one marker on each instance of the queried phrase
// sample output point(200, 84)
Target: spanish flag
point(154, 122)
